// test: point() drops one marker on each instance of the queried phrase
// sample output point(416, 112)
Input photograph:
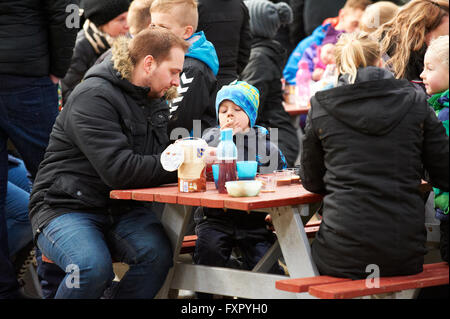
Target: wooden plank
point(143, 195)
point(293, 110)
point(188, 245)
point(313, 223)
point(311, 231)
point(165, 194)
point(190, 238)
point(358, 288)
point(443, 264)
point(121, 194)
point(289, 195)
point(302, 284)
point(194, 199)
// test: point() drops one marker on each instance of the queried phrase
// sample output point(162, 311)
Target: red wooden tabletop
point(288, 195)
point(293, 110)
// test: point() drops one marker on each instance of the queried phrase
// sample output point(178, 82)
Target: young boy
point(218, 231)
point(348, 22)
point(198, 78)
point(138, 17)
point(435, 77)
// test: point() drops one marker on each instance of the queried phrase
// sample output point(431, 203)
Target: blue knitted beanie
point(242, 94)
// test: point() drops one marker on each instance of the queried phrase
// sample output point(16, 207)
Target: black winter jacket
point(196, 100)
point(34, 39)
point(365, 148)
point(84, 57)
point(264, 71)
point(108, 136)
point(226, 24)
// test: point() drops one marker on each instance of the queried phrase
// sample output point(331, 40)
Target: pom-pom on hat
point(242, 94)
point(267, 17)
point(101, 12)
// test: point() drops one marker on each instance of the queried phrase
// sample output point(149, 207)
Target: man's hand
point(54, 79)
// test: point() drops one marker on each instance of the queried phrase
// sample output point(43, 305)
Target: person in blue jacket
point(198, 82)
point(348, 21)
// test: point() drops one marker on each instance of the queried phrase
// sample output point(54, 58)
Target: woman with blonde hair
point(366, 143)
point(405, 38)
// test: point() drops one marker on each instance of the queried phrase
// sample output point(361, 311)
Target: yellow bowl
point(243, 188)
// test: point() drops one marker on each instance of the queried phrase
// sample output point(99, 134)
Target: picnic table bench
point(327, 287)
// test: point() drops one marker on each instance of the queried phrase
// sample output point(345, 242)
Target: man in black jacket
point(226, 25)
point(36, 46)
point(109, 136)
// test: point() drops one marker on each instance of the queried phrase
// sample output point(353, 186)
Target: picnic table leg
point(293, 242)
point(269, 259)
point(175, 220)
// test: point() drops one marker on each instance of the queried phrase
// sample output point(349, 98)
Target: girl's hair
point(407, 31)
point(439, 47)
point(356, 50)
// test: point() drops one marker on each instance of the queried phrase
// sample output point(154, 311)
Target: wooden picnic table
point(286, 206)
point(293, 110)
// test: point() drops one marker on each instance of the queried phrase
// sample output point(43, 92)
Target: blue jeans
point(28, 109)
point(17, 197)
point(84, 245)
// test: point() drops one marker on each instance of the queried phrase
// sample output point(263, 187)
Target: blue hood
point(203, 50)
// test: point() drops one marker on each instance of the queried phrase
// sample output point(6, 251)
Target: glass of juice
point(283, 177)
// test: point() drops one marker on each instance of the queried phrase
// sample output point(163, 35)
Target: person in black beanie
point(105, 20)
point(264, 71)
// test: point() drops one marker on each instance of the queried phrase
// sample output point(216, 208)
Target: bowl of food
point(243, 188)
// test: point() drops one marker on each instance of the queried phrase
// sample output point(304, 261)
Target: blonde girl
point(354, 51)
point(365, 146)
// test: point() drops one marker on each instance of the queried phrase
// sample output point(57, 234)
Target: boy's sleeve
point(194, 100)
point(272, 160)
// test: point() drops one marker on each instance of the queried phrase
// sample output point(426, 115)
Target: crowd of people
point(88, 109)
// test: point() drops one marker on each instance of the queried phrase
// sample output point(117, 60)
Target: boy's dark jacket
point(264, 71)
point(197, 88)
point(108, 136)
point(248, 150)
point(365, 148)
